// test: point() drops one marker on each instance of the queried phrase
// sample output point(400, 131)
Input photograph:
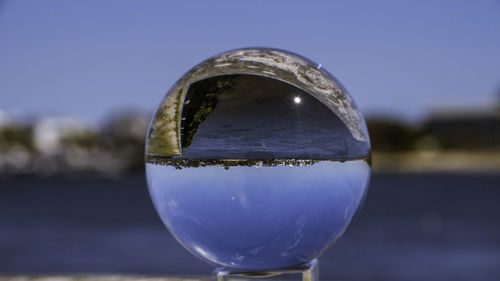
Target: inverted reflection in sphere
point(257, 159)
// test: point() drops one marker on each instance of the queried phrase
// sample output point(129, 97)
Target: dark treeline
point(473, 131)
point(117, 146)
point(56, 146)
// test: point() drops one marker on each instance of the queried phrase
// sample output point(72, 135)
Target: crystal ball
point(257, 159)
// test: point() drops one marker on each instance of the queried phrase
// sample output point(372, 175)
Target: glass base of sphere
point(308, 272)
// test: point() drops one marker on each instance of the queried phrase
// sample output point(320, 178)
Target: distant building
point(48, 132)
point(4, 118)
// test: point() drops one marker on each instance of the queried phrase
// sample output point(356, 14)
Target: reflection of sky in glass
point(259, 218)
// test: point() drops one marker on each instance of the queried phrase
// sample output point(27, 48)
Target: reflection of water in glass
point(257, 160)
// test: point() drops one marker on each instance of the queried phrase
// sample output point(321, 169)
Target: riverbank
point(437, 161)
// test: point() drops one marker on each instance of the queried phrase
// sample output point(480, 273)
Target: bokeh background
point(80, 80)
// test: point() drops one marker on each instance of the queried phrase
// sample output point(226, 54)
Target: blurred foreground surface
point(413, 226)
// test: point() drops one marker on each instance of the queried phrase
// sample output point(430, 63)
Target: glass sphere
point(257, 159)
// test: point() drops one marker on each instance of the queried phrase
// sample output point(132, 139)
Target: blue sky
point(89, 58)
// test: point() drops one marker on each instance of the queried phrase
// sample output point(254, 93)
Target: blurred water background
point(79, 82)
point(413, 226)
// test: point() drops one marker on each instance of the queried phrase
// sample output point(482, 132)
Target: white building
point(49, 131)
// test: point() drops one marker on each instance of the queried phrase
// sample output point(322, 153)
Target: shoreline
point(466, 162)
point(437, 162)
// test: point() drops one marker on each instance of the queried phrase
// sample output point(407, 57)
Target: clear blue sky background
point(88, 58)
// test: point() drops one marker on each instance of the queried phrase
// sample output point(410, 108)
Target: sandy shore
point(437, 161)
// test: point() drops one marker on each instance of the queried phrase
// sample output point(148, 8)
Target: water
point(235, 114)
point(258, 217)
point(54, 226)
